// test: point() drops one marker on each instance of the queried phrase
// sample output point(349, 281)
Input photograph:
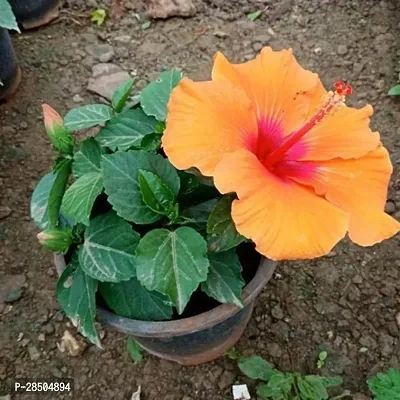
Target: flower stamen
point(332, 102)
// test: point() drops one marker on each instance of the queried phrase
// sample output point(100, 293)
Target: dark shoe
point(10, 74)
point(35, 13)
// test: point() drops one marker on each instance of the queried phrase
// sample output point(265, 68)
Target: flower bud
point(60, 138)
point(56, 239)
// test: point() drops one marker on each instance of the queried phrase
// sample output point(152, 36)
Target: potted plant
point(10, 74)
point(187, 192)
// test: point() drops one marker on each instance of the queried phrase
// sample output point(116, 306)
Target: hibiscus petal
point(284, 219)
point(281, 90)
point(357, 186)
point(345, 133)
point(205, 121)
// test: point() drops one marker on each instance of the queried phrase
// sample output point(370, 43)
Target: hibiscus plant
point(154, 202)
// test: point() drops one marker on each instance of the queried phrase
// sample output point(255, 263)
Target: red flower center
point(272, 145)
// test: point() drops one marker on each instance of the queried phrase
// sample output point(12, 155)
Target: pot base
point(202, 346)
point(51, 14)
point(13, 86)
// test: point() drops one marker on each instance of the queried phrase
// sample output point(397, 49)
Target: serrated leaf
point(7, 18)
point(131, 300)
point(57, 192)
point(134, 350)
point(87, 159)
point(121, 95)
point(254, 15)
point(76, 293)
point(156, 195)
point(311, 387)
point(79, 198)
point(224, 281)
point(121, 182)
point(126, 130)
point(221, 228)
point(386, 386)
point(87, 116)
point(394, 91)
point(256, 367)
point(200, 213)
point(172, 263)
point(155, 96)
point(108, 252)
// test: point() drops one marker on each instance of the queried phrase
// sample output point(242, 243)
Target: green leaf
point(264, 391)
point(394, 91)
point(87, 159)
point(108, 252)
point(386, 386)
point(7, 18)
point(157, 196)
point(223, 234)
point(146, 25)
point(134, 350)
point(256, 367)
point(39, 202)
point(200, 213)
point(98, 16)
point(87, 116)
point(131, 300)
point(155, 96)
point(254, 15)
point(121, 182)
point(76, 293)
point(282, 382)
point(224, 281)
point(331, 381)
point(173, 263)
point(79, 198)
point(121, 95)
point(151, 143)
point(57, 192)
point(311, 387)
point(126, 130)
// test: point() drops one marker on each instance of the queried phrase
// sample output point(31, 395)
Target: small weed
point(98, 16)
point(322, 356)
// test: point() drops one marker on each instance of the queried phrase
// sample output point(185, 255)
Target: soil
point(347, 303)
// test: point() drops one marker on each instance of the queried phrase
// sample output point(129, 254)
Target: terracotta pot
point(35, 13)
point(194, 340)
point(10, 74)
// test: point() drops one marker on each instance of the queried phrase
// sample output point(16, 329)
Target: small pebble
point(342, 49)
point(33, 353)
point(41, 337)
point(221, 34)
point(390, 207)
point(357, 279)
point(78, 99)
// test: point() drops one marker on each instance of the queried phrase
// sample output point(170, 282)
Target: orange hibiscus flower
point(305, 167)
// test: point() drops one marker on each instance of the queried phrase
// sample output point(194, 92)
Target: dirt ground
point(346, 303)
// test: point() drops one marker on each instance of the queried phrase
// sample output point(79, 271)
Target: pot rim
point(184, 326)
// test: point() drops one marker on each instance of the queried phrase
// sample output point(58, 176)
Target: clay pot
point(35, 13)
point(194, 340)
point(10, 74)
